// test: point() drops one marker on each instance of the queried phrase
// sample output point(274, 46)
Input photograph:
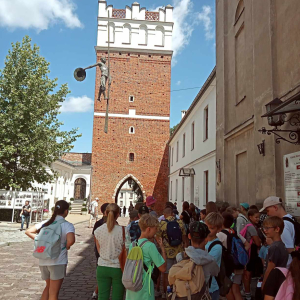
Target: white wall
point(135, 18)
point(126, 199)
point(201, 158)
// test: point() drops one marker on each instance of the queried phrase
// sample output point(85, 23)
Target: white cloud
point(178, 82)
point(206, 18)
point(37, 14)
point(77, 104)
point(183, 28)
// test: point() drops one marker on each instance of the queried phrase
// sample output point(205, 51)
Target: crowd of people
point(196, 254)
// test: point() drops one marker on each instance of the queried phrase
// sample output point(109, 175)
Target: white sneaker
point(157, 294)
point(95, 296)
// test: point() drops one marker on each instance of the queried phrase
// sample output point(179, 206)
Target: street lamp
point(275, 120)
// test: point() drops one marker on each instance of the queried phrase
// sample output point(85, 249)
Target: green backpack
point(132, 278)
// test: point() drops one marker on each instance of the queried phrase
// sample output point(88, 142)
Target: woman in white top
point(54, 270)
point(109, 242)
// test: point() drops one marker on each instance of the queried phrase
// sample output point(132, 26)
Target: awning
point(186, 172)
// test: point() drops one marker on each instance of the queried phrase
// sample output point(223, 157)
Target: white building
point(73, 181)
point(135, 29)
point(126, 196)
point(192, 151)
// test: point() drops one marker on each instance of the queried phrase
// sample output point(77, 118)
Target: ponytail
point(112, 212)
point(60, 207)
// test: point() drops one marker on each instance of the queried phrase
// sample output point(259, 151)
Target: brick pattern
point(85, 158)
point(119, 13)
point(152, 16)
point(142, 76)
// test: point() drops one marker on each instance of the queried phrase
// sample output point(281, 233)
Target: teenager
point(151, 256)
point(109, 242)
point(54, 270)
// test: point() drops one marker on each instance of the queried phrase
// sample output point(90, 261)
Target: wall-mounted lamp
point(261, 148)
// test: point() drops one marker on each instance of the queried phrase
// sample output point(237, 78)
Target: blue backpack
point(174, 233)
point(238, 251)
point(134, 231)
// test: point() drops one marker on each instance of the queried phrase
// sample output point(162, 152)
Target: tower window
point(131, 156)
point(131, 98)
point(131, 130)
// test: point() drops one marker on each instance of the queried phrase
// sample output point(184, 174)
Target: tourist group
point(231, 252)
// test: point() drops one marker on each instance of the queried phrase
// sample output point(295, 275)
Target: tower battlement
point(135, 28)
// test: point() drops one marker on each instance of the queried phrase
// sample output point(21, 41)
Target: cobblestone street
point(20, 274)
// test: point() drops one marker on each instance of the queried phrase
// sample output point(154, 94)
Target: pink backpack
point(286, 291)
point(243, 233)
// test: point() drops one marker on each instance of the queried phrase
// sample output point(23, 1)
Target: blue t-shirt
point(263, 252)
point(216, 253)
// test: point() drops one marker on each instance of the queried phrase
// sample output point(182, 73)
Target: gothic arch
point(143, 35)
point(126, 34)
point(112, 32)
point(122, 181)
point(160, 35)
point(239, 10)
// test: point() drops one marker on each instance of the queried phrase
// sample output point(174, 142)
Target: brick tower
point(135, 146)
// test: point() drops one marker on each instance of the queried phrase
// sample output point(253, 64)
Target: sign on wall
point(291, 164)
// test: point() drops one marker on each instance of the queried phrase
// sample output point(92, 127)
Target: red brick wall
point(137, 75)
point(78, 157)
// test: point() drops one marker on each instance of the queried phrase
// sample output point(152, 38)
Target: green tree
point(30, 134)
point(173, 129)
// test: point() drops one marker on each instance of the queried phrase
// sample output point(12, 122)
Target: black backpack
point(296, 228)
point(174, 233)
point(226, 269)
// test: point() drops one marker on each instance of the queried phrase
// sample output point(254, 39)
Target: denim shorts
point(53, 272)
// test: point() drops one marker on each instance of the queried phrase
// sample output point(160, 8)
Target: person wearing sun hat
point(242, 219)
point(150, 203)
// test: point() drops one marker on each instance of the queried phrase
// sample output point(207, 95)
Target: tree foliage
point(172, 130)
point(30, 134)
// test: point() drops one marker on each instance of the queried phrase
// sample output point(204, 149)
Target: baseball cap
point(150, 200)
point(270, 201)
point(198, 230)
point(96, 198)
point(245, 205)
point(133, 214)
point(143, 210)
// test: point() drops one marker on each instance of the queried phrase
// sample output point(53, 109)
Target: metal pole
point(106, 115)
point(13, 201)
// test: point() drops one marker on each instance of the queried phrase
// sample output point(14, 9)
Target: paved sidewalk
point(20, 275)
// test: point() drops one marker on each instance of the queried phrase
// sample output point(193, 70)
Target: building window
point(160, 36)
point(121, 195)
point(172, 156)
point(177, 150)
point(111, 32)
point(131, 156)
point(121, 203)
point(171, 185)
point(183, 145)
point(126, 34)
point(176, 191)
point(130, 195)
point(143, 35)
point(182, 189)
point(169, 160)
point(193, 136)
point(205, 123)
point(206, 186)
point(131, 130)
point(131, 98)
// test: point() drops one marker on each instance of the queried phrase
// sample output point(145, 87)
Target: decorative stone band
point(132, 116)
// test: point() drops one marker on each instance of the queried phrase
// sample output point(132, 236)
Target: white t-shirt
point(111, 244)
point(94, 206)
point(288, 236)
point(66, 228)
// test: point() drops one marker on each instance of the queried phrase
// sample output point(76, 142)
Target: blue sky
point(65, 31)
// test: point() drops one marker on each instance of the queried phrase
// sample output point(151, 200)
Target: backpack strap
point(214, 244)
point(284, 271)
point(289, 220)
